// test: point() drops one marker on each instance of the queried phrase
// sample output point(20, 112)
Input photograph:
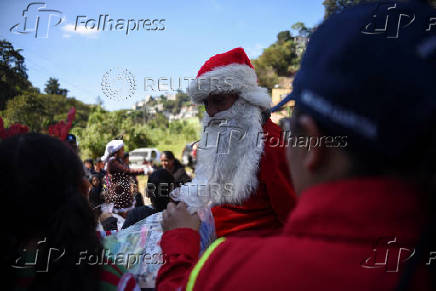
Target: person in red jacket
point(366, 105)
point(239, 161)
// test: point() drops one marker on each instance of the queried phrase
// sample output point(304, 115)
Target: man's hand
point(179, 217)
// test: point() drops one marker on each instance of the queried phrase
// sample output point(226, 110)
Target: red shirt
point(337, 238)
point(269, 207)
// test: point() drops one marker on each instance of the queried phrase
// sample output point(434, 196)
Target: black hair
point(159, 186)
point(266, 114)
point(170, 155)
point(57, 212)
point(126, 155)
point(89, 161)
point(95, 194)
point(94, 176)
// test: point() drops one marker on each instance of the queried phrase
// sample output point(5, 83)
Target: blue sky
point(194, 31)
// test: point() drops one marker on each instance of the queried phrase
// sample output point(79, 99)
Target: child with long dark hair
point(50, 244)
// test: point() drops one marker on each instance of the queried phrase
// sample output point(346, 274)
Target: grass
point(142, 181)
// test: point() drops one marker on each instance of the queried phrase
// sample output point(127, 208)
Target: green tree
point(266, 75)
point(284, 36)
point(13, 76)
point(279, 59)
point(182, 99)
point(301, 29)
point(282, 58)
point(103, 126)
point(28, 109)
point(159, 121)
point(336, 6)
point(53, 87)
point(38, 111)
point(201, 110)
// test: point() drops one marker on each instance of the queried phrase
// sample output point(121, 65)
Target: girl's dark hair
point(90, 161)
point(41, 179)
point(159, 186)
point(170, 155)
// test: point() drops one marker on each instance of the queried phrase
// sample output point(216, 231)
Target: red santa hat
point(230, 72)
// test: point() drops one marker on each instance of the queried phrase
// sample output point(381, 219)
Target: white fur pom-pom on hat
point(230, 72)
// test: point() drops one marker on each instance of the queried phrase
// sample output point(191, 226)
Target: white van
point(137, 157)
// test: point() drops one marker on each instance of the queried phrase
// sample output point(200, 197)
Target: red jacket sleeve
point(274, 173)
point(181, 248)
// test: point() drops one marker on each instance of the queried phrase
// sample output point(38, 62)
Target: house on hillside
point(278, 93)
point(185, 112)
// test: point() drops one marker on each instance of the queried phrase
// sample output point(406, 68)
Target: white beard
point(229, 153)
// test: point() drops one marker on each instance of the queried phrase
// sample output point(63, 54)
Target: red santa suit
point(268, 208)
point(343, 235)
point(266, 202)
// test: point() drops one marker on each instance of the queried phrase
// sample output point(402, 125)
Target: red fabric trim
point(108, 277)
point(130, 284)
point(234, 56)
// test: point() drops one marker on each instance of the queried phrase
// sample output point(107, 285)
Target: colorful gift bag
point(138, 247)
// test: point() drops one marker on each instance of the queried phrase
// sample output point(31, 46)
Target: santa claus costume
point(238, 154)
